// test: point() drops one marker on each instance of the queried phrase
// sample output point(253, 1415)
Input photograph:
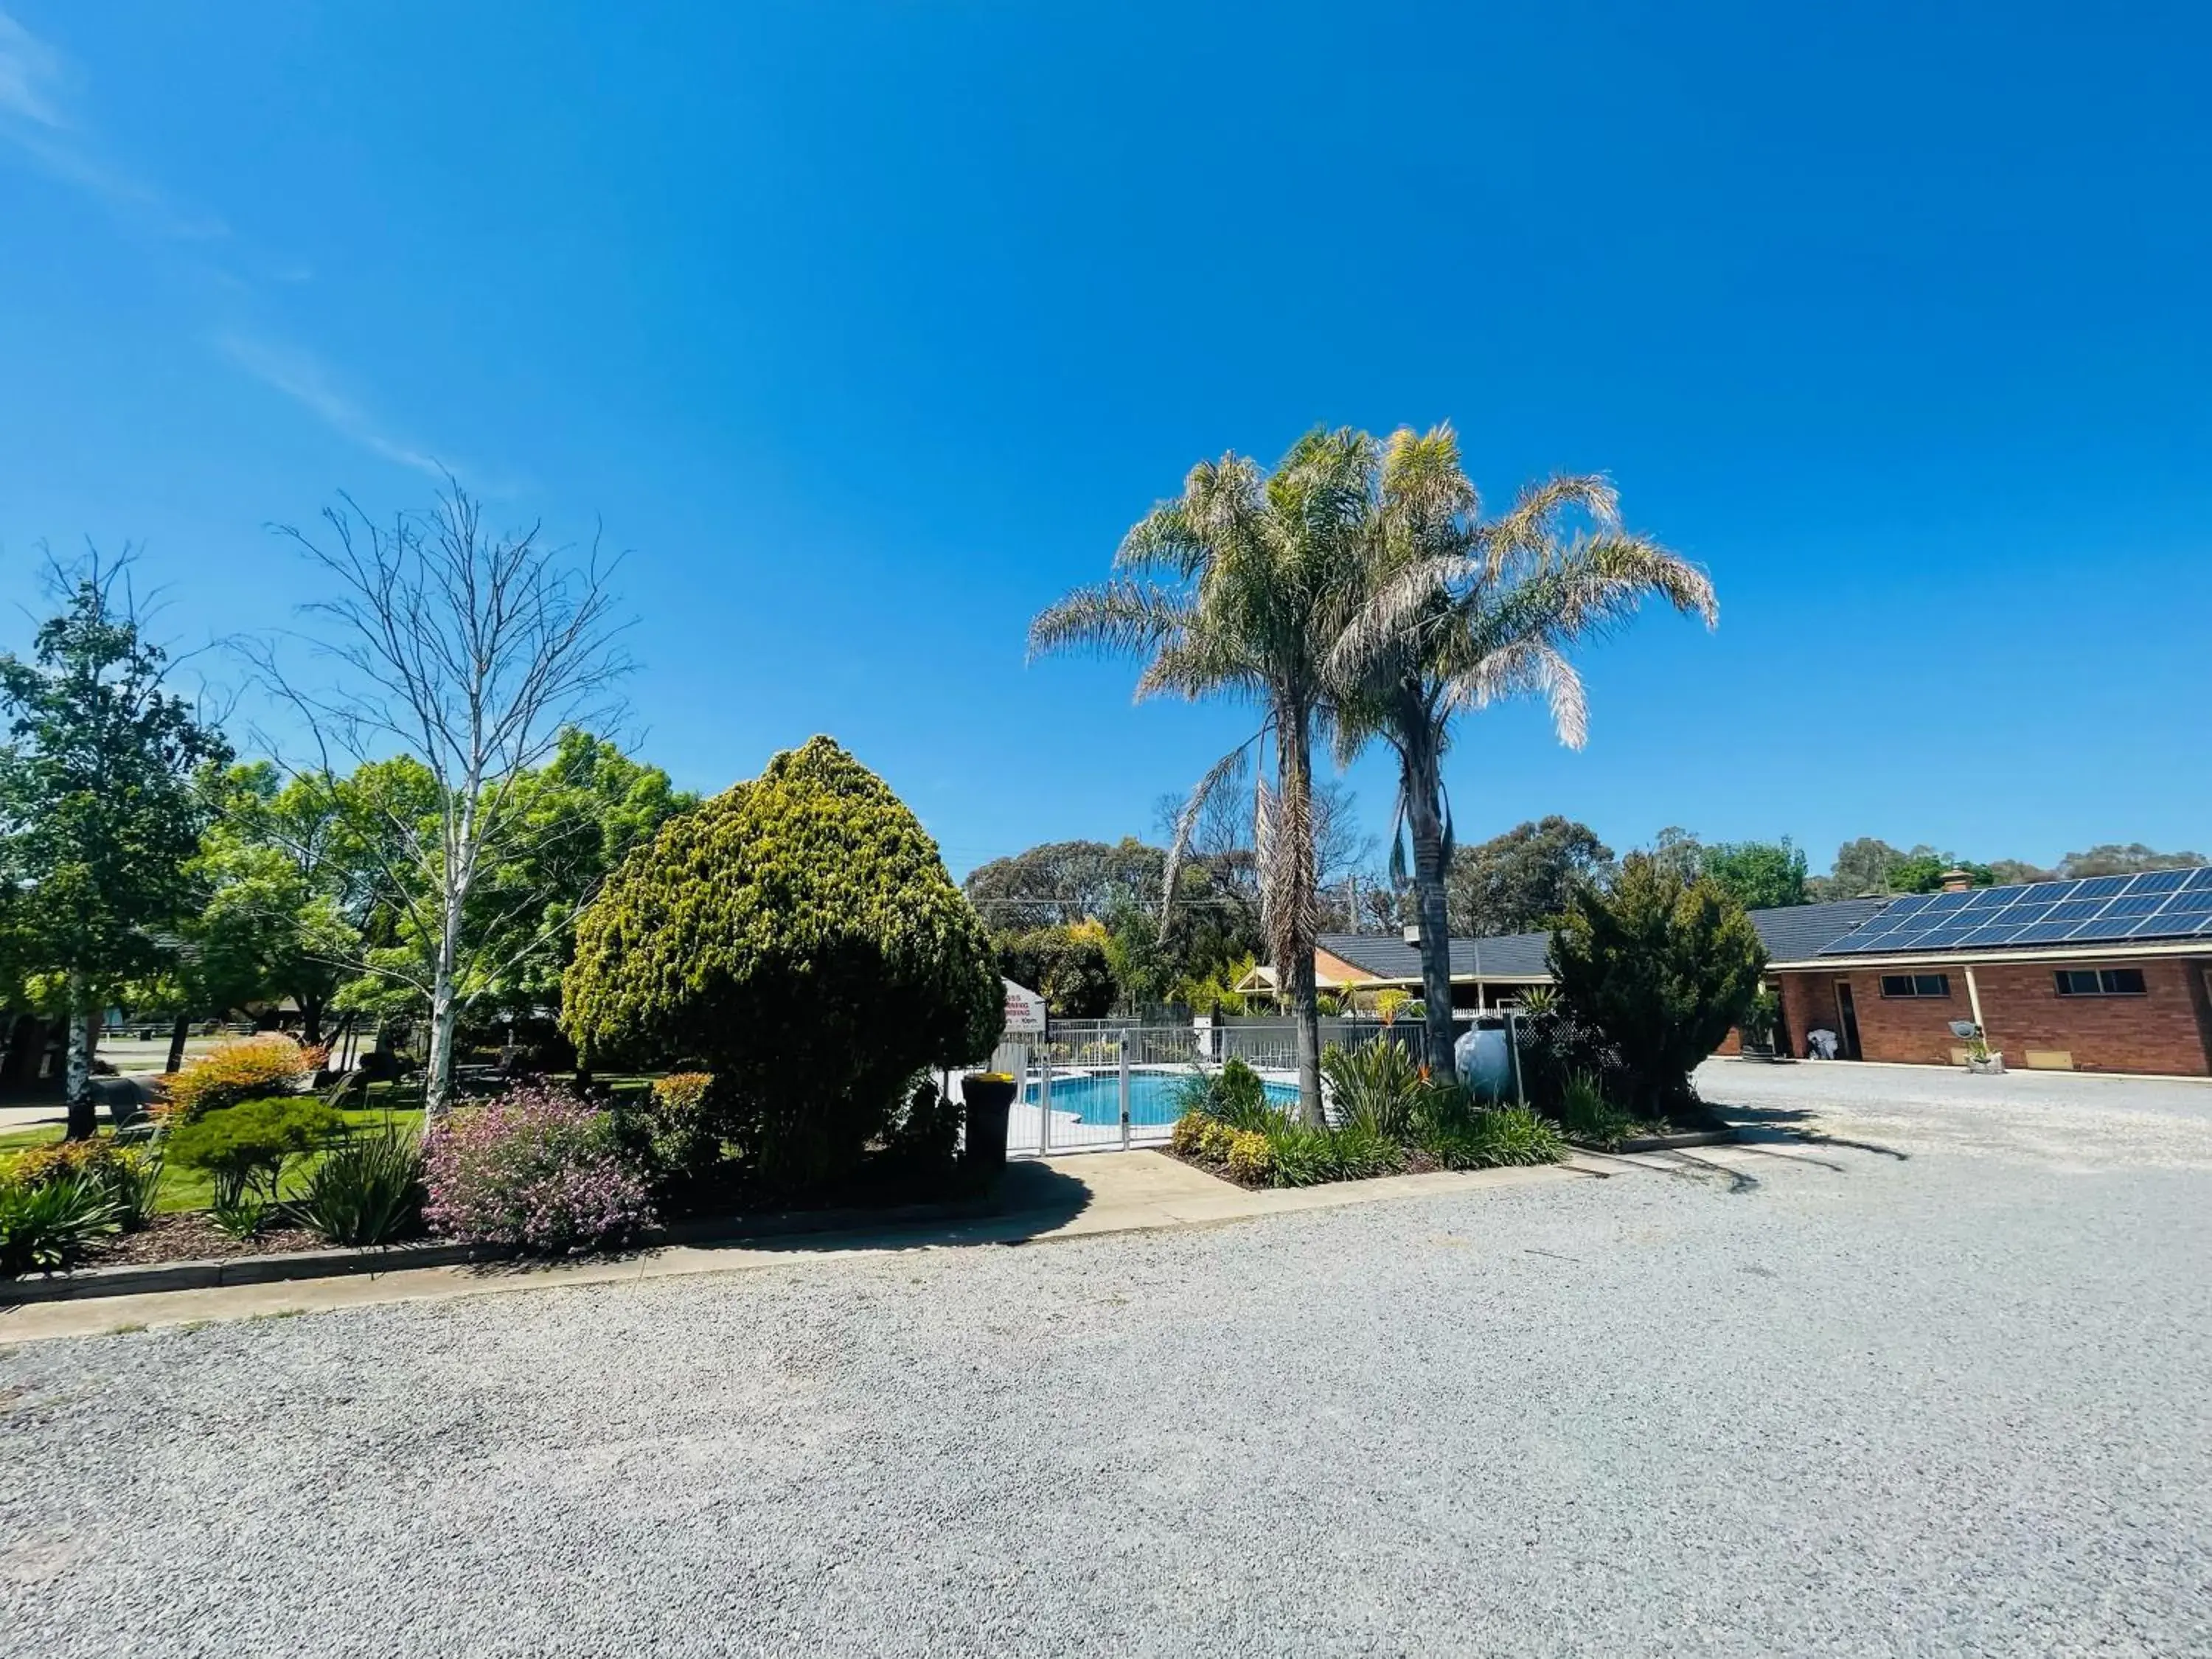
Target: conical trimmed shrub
point(797, 936)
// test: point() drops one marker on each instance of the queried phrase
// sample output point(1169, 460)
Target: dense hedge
point(1662, 965)
point(798, 937)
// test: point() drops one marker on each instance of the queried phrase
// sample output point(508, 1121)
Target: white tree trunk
point(77, 1086)
point(438, 1072)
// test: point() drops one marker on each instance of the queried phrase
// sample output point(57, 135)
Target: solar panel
point(2159, 881)
point(2104, 927)
point(1907, 905)
point(2196, 901)
point(2028, 913)
point(2135, 904)
point(2046, 932)
point(1994, 933)
point(2104, 886)
point(2199, 880)
point(1948, 934)
point(2164, 925)
point(2076, 910)
point(1990, 896)
point(2203, 927)
point(2050, 892)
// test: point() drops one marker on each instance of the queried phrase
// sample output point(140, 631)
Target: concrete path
point(1050, 1199)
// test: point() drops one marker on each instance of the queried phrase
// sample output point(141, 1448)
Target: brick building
point(2110, 974)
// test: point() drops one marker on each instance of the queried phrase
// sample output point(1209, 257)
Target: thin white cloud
point(33, 122)
point(29, 69)
point(301, 376)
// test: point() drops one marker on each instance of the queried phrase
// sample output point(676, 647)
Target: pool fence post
point(1513, 1052)
point(1125, 1090)
point(1044, 1095)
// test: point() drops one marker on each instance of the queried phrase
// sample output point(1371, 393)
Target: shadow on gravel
point(1028, 1200)
point(1682, 1162)
point(1773, 1124)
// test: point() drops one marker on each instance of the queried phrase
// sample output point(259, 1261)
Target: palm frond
point(1113, 617)
point(1526, 667)
point(1223, 772)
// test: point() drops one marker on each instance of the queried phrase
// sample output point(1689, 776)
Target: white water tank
point(1483, 1058)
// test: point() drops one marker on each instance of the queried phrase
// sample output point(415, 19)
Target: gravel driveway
point(1947, 1390)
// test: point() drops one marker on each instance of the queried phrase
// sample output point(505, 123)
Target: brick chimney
point(1957, 881)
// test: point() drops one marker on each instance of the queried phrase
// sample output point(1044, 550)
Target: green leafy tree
point(574, 821)
point(1662, 965)
point(1863, 866)
point(470, 652)
point(1237, 588)
point(1064, 882)
point(1520, 881)
point(272, 922)
point(98, 801)
point(798, 937)
point(1761, 875)
point(2113, 859)
point(1068, 966)
point(1922, 871)
point(1459, 612)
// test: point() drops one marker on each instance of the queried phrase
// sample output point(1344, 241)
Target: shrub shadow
point(1771, 1124)
point(1028, 1199)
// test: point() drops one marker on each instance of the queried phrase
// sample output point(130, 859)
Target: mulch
point(191, 1236)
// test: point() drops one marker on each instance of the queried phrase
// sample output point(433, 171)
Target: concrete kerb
point(1155, 1193)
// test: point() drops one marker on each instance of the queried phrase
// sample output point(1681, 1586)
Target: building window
point(1916, 985)
point(2100, 982)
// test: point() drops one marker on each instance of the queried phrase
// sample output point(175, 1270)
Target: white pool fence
point(1107, 1085)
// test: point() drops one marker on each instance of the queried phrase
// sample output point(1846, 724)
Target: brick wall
point(2163, 1030)
point(1808, 1003)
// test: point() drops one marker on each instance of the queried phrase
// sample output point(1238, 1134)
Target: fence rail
point(1105, 1085)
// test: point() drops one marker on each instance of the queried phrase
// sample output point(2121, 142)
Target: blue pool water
point(1154, 1097)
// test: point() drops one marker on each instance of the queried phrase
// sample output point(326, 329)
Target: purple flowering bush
point(537, 1168)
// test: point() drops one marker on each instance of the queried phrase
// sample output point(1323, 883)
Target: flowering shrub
point(1251, 1157)
point(65, 1160)
point(537, 1168)
point(250, 1068)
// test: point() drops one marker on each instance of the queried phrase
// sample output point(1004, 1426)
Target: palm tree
point(1239, 587)
point(1459, 613)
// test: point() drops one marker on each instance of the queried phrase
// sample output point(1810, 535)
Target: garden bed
point(192, 1236)
point(275, 1256)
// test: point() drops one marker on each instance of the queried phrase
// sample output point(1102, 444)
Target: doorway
point(1847, 1015)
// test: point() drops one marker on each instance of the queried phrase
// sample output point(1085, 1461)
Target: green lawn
point(399, 1104)
point(193, 1190)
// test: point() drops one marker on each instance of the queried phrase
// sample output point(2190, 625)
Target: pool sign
point(1024, 1011)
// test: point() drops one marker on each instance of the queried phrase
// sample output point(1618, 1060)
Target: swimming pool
point(1154, 1097)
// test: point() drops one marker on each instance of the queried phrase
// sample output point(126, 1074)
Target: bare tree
point(471, 651)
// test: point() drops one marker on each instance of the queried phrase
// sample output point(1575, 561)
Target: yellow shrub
point(1250, 1158)
point(1215, 1140)
point(1187, 1138)
point(248, 1069)
point(681, 1091)
point(63, 1160)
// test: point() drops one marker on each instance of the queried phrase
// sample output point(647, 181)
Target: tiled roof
point(1386, 956)
point(1795, 932)
point(1790, 933)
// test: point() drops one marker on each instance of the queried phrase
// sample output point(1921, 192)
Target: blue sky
point(869, 328)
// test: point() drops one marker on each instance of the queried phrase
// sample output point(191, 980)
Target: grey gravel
point(1945, 1390)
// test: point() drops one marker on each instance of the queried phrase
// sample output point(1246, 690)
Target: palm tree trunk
point(1295, 749)
point(1424, 822)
